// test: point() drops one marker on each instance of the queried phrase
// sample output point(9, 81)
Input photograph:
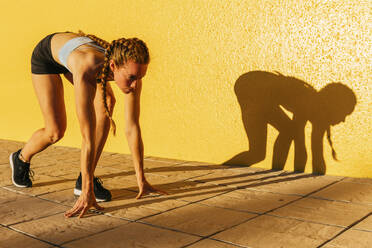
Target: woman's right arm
point(85, 89)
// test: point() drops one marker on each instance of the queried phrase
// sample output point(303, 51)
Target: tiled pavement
point(207, 206)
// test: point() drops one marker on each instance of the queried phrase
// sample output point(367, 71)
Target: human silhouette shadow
point(263, 95)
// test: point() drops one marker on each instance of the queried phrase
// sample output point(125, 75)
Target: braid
point(120, 51)
point(334, 155)
point(103, 80)
point(97, 40)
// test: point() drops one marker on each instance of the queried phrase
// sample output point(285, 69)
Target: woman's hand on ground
point(82, 205)
point(146, 188)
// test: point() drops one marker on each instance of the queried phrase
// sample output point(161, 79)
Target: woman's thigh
point(49, 91)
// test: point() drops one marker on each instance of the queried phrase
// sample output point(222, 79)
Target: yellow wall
point(199, 49)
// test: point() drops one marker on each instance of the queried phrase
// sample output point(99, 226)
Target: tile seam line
point(346, 229)
point(254, 217)
point(221, 241)
point(279, 216)
point(167, 228)
point(164, 161)
point(198, 202)
point(30, 236)
point(284, 194)
point(92, 234)
point(39, 218)
point(142, 220)
point(297, 195)
point(361, 230)
point(38, 196)
point(183, 201)
point(304, 196)
point(341, 201)
point(253, 189)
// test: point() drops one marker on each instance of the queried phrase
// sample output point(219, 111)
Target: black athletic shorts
point(42, 61)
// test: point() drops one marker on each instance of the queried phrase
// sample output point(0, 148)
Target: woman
point(86, 61)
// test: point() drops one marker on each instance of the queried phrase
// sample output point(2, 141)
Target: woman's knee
point(55, 134)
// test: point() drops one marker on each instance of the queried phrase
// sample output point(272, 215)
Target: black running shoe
point(21, 172)
point(100, 192)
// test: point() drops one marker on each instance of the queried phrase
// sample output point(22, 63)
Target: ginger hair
point(120, 51)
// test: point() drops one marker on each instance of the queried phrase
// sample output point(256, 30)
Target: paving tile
point(176, 187)
point(57, 229)
point(159, 167)
point(27, 208)
point(183, 171)
point(358, 180)
point(248, 200)
point(5, 175)
point(365, 224)
point(7, 196)
point(294, 183)
point(43, 184)
point(109, 172)
point(353, 238)
point(203, 199)
point(4, 157)
point(190, 191)
point(44, 161)
point(208, 243)
point(267, 231)
point(10, 238)
point(324, 211)
point(57, 170)
point(117, 182)
point(199, 219)
point(118, 161)
point(10, 146)
point(235, 177)
point(167, 160)
point(348, 191)
point(135, 235)
point(57, 156)
point(126, 206)
point(268, 180)
point(65, 197)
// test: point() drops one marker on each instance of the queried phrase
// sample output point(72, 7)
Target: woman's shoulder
point(84, 62)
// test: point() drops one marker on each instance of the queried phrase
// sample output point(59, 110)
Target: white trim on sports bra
point(71, 45)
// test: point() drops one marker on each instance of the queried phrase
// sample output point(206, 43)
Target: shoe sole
point(77, 192)
point(12, 166)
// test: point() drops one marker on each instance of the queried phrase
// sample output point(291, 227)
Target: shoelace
point(99, 182)
point(29, 173)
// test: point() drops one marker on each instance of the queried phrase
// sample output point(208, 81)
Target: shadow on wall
point(262, 95)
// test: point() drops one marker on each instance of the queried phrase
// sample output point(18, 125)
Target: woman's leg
point(285, 126)
point(300, 156)
point(103, 122)
point(256, 129)
point(49, 91)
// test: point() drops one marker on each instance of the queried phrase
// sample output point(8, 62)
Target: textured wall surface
point(199, 50)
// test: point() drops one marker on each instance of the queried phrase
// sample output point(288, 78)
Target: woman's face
point(338, 119)
point(128, 75)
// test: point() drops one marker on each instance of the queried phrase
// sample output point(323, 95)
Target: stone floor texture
point(208, 206)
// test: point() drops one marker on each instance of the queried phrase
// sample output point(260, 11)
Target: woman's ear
point(112, 65)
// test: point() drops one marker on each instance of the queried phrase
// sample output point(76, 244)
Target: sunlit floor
point(207, 206)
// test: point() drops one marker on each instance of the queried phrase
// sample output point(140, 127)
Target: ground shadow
point(184, 189)
point(263, 95)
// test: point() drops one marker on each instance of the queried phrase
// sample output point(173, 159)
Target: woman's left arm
point(134, 138)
